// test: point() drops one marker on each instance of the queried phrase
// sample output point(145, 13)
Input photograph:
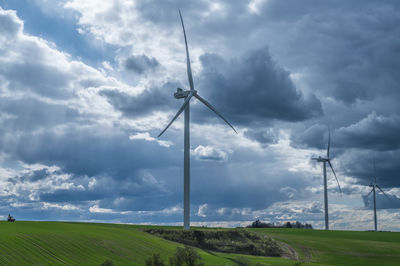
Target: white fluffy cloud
point(209, 153)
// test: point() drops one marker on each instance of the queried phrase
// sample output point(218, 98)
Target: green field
point(59, 243)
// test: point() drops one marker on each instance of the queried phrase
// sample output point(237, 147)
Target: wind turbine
point(187, 95)
point(325, 160)
point(374, 186)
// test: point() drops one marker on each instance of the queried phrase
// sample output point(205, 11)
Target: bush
point(230, 241)
point(107, 263)
point(155, 260)
point(185, 256)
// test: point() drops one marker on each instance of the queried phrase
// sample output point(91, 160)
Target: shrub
point(155, 260)
point(185, 256)
point(230, 241)
point(107, 263)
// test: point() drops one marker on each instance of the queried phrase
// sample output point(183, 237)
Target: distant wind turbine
point(325, 160)
point(374, 186)
point(187, 95)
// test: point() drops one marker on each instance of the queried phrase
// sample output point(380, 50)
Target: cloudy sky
point(87, 85)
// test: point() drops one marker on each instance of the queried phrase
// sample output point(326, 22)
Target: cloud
point(97, 209)
point(202, 210)
point(146, 136)
point(359, 164)
point(315, 136)
point(209, 153)
point(146, 102)
point(254, 88)
point(288, 191)
point(10, 24)
point(363, 37)
point(382, 202)
point(263, 135)
point(375, 132)
point(98, 127)
point(140, 63)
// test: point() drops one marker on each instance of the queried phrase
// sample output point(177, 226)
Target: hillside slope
point(320, 247)
point(59, 243)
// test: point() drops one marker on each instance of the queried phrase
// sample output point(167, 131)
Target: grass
point(319, 247)
point(59, 243)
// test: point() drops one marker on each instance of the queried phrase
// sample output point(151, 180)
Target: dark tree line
point(297, 224)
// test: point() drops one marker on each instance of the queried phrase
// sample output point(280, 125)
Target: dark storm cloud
point(343, 51)
point(242, 185)
point(254, 87)
point(263, 135)
point(140, 192)
point(354, 49)
point(374, 132)
point(71, 195)
point(150, 100)
point(141, 63)
point(37, 175)
point(359, 164)
point(30, 113)
point(382, 202)
point(315, 136)
point(85, 152)
point(34, 76)
point(29, 64)
point(32, 176)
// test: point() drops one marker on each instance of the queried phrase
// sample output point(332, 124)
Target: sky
point(87, 86)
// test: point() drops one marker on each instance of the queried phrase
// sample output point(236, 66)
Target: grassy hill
point(320, 247)
point(59, 243)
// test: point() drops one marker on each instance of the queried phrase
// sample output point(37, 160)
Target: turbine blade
point(370, 192)
point(374, 171)
point(189, 68)
point(185, 103)
point(214, 110)
point(329, 143)
point(382, 191)
point(333, 171)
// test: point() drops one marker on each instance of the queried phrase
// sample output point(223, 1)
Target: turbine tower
point(373, 190)
point(325, 160)
point(187, 95)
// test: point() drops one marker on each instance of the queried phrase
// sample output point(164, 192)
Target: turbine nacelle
point(320, 159)
point(179, 94)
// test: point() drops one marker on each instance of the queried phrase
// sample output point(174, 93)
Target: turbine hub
point(179, 94)
point(321, 159)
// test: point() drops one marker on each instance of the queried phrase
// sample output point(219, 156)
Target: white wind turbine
point(325, 160)
point(188, 94)
point(374, 186)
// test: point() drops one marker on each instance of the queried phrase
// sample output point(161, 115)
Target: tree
point(155, 260)
point(185, 256)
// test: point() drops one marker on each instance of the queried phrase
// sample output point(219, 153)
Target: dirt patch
point(289, 252)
